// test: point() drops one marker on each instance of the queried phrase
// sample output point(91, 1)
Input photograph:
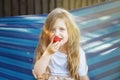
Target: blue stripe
point(21, 30)
point(112, 71)
point(103, 69)
point(104, 63)
point(102, 45)
point(101, 32)
point(8, 77)
point(107, 73)
point(16, 69)
point(97, 59)
point(117, 78)
point(16, 41)
point(17, 47)
point(102, 38)
point(19, 35)
point(19, 25)
point(23, 20)
point(106, 27)
point(103, 51)
point(1, 78)
point(16, 74)
point(96, 21)
point(111, 77)
point(15, 64)
point(16, 57)
point(17, 52)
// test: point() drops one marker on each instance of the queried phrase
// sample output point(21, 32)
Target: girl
point(58, 51)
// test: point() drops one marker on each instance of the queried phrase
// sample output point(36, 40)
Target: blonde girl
point(63, 59)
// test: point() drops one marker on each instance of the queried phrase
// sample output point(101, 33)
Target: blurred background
point(26, 7)
point(21, 23)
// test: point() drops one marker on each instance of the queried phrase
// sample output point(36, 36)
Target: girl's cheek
point(51, 36)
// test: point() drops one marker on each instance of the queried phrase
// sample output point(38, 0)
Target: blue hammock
point(100, 30)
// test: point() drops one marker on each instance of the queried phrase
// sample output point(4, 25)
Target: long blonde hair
point(73, 57)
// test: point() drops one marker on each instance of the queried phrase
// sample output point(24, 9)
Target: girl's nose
point(56, 33)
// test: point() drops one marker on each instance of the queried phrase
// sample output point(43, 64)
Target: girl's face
point(60, 30)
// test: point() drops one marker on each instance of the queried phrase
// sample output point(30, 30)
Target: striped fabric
point(100, 30)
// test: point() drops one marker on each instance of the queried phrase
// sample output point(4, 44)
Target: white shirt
point(58, 64)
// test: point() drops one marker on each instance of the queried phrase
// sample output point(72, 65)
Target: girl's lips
point(56, 38)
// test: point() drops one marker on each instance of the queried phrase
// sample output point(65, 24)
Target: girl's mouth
point(56, 39)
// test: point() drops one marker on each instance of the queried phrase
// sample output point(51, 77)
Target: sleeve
point(83, 68)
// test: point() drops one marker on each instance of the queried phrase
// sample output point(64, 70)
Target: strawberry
point(56, 38)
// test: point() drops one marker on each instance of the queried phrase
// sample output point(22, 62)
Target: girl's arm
point(41, 65)
point(84, 77)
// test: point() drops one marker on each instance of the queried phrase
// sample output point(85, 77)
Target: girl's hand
point(54, 45)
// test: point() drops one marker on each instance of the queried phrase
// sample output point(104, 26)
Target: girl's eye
point(62, 29)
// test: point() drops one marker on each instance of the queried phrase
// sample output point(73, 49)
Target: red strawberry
point(56, 38)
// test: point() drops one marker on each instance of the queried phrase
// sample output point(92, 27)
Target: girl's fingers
point(52, 40)
point(55, 46)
